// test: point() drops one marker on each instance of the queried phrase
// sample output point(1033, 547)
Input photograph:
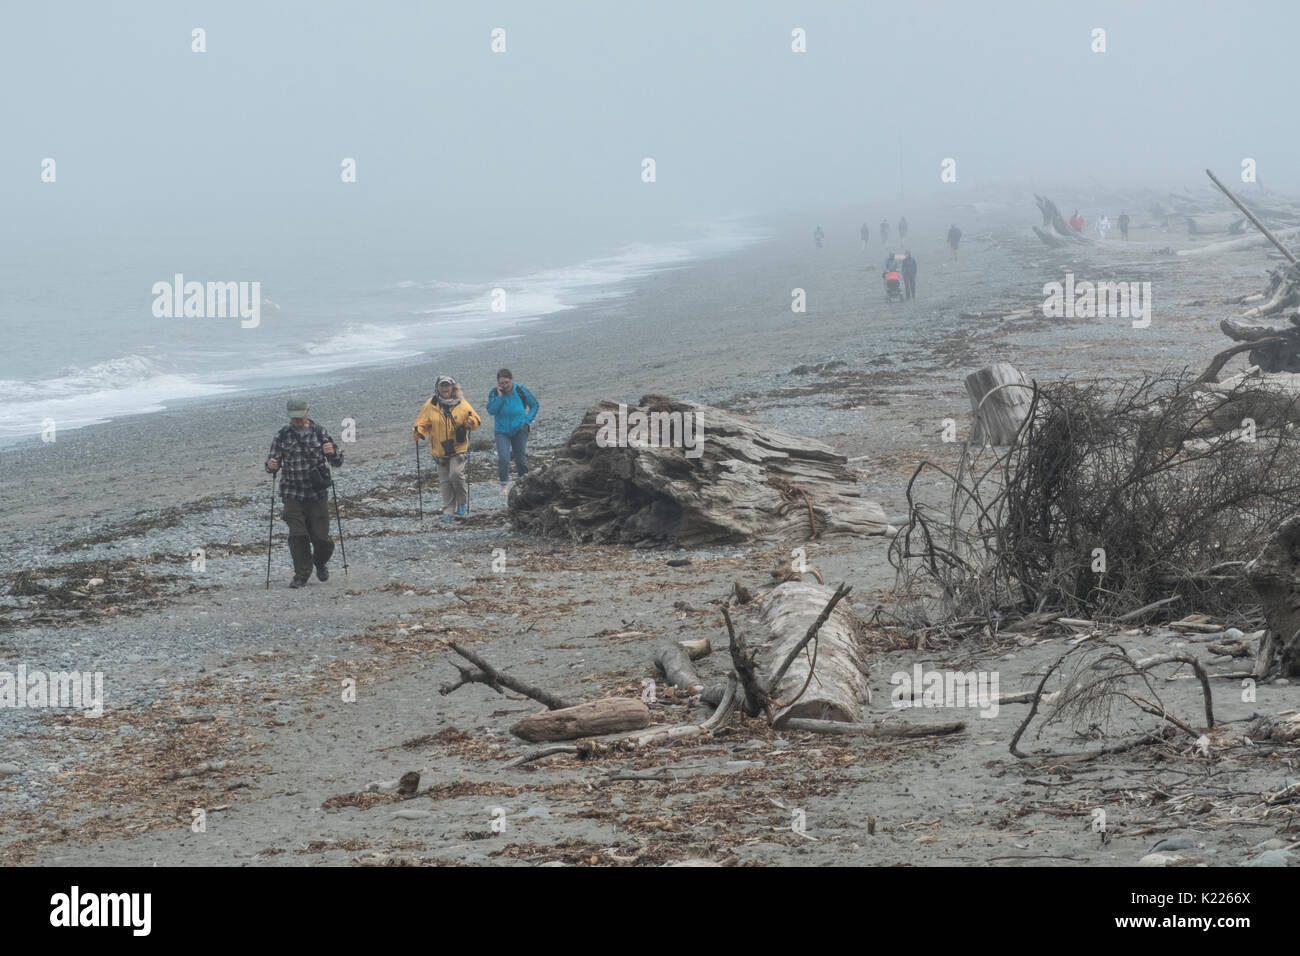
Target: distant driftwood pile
point(677, 472)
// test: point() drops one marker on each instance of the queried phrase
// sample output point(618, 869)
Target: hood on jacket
point(456, 395)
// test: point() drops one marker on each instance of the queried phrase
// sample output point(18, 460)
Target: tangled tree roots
point(1112, 497)
point(727, 481)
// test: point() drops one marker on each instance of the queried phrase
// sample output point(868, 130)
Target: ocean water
point(84, 345)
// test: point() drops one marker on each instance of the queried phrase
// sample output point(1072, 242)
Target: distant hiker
point(954, 237)
point(884, 230)
point(909, 276)
point(512, 408)
point(902, 228)
point(1123, 225)
point(818, 236)
point(1076, 222)
point(1103, 226)
point(865, 233)
point(299, 453)
point(446, 420)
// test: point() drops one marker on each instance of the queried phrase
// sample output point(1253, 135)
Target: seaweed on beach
point(77, 591)
point(1113, 497)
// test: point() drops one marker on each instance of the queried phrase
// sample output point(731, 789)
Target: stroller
point(893, 279)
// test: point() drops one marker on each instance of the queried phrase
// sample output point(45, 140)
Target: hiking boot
point(462, 510)
point(298, 582)
point(447, 518)
point(322, 573)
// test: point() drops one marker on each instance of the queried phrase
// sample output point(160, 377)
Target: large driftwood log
point(606, 716)
point(1231, 245)
point(832, 688)
point(741, 482)
point(1000, 397)
point(1275, 578)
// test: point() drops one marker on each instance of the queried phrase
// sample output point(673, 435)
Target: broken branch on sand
point(1085, 699)
point(489, 675)
point(742, 659)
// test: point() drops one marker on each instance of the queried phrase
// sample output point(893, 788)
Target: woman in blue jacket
point(512, 408)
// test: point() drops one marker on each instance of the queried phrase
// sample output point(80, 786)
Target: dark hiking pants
point(309, 534)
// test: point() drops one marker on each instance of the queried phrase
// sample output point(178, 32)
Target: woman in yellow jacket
point(446, 420)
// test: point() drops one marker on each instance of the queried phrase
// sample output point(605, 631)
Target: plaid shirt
point(297, 456)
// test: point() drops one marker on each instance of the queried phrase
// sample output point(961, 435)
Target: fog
point(557, 126)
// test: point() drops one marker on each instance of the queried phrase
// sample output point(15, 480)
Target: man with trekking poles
point(301, 454)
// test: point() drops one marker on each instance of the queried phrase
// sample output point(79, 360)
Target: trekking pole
point(467, 480)
point(342, 547)
point(269, 532)
point(419, 480)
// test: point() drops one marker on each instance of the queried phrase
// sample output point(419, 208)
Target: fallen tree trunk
point(630, 475)
point(1229, 245)
point(606, 716)
point(1275, 578)
point(827, 680)
point(1000, 397)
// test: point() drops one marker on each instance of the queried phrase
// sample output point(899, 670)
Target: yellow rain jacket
point(438, 426)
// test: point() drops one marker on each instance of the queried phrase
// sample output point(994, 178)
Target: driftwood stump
point(675, 664)
point(1052, 217)
point(1275, 578)
point(838, 682)
point(606, 716)
point(1000, 397)
point(741, 482)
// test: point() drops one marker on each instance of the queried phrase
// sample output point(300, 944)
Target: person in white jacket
point(1103, 225)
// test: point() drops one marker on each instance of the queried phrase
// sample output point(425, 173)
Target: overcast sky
point(736, 121)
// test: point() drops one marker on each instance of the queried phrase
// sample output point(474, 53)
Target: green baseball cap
point(297, 407)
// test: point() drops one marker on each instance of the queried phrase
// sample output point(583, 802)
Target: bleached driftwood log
point(1229, 245)
point(1283, 293)
point(999, 397)
point(839, 680)
point(697, 647)
point(740, 482)
point(1275, 578)
point(606, 716)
